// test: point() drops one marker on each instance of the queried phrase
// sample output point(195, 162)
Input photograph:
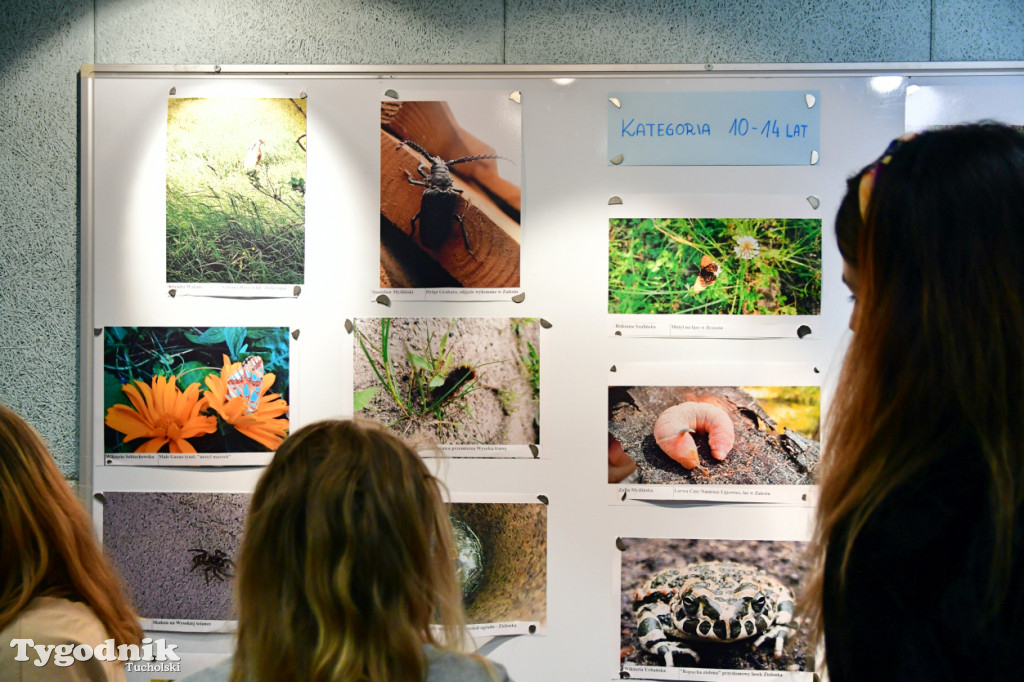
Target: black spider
point(216, 564)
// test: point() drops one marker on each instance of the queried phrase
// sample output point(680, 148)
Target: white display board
point(552, 127)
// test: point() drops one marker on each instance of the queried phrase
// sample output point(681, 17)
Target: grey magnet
point(814, 201)
point(617, 160)
point(391, 93)
point(519, 298)
point(615, 201)
point(383, 300)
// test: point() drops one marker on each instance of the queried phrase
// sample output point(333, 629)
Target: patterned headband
point(867, 180)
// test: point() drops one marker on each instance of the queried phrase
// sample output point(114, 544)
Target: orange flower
point(264, 425)
point(163, 414)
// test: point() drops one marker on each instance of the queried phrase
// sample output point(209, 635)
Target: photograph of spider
point(216, 564)
point(177, 553)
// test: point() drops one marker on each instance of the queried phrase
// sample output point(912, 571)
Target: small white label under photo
point(647, 672)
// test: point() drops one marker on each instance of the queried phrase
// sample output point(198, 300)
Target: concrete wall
point(43, 43)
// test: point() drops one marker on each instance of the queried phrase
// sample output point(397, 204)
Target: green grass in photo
point(762, 266)
point(236, 185)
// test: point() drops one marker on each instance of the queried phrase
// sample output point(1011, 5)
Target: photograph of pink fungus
point(741, 435)
point(722, 574)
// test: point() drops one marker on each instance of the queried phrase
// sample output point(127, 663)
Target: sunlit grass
point(228, 221)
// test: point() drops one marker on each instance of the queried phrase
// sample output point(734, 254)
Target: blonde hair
point(47, 548)
point(936, 363)
point(347, 559)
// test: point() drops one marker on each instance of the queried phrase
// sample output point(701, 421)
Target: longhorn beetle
point(440, 198)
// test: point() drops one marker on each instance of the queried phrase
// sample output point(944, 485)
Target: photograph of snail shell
point(502, 560)
point(748, 435)
point(176, 551)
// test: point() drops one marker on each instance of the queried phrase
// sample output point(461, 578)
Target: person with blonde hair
point(56, 586)
point(348, 558)
point(920, 527)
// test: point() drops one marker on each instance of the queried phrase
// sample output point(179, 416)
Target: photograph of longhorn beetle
point(450, 191)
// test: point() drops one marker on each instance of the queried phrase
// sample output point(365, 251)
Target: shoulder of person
point(51, 622)
point(51, 619)
point(453, 666)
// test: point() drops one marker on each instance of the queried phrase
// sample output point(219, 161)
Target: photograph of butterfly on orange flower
point(748, 266)
point(188, 390)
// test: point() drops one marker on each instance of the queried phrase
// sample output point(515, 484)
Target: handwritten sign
point(777, 128)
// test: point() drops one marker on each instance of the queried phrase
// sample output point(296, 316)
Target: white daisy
point(746, 247)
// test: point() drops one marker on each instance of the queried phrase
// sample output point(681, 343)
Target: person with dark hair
point(920, 525)
point(348, 558)
point(56, 586)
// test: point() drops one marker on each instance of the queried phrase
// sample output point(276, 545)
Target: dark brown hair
point(938, 353)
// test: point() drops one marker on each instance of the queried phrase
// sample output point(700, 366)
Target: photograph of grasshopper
point(457, 381)
point(449, 202)
point(236, 190)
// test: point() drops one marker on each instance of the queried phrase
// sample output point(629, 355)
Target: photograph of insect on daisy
point(458, 381)
point(739, 435)
point(176, 552)
point(714, 266)
point(236, 190)
point(184, 392)
point(712, 604)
